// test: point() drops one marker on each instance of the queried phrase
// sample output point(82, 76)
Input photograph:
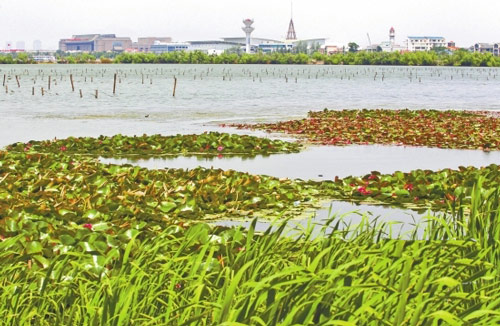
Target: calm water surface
point(207, 95)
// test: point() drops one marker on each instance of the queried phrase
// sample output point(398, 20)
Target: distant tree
point(234, 50)
point(353, 47)
point(22, 58)
point(439, 49)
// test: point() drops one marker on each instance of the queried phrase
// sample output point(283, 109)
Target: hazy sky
point(463, 21)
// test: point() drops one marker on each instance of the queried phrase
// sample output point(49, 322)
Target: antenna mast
point(291, 28)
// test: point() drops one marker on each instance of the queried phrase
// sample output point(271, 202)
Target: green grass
point(200, 275)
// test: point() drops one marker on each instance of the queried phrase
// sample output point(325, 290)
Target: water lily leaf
point(91, 214)
point(67, 239)
point(33, 247)
point(166, 206)
point(63, 212)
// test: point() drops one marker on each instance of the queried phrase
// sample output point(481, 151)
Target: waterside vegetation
point(83, 242)
point(459, 58)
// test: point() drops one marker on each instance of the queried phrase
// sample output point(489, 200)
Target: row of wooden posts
point(73, 85)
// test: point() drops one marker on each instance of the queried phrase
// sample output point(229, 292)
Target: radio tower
point(291, 29)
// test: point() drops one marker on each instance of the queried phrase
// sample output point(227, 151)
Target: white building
point(37, 45)
point(44, 58)
point(159, 47)
point(212, 47)
point(425, 43)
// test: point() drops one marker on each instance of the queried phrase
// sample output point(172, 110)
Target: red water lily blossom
point(63, 148)
point(364, 191)
point(408, 186)
point(88, 226)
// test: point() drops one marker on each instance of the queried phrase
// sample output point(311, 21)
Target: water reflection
point(400, 223)
point(326, 162)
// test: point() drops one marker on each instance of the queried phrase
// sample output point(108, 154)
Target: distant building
point(216, 47)
point(20, 45)
point(391, 45)
point(330, 49)
point(254, 40)
point(8, 45)
point(425, 43)
point(44, 58)
point(492, 48)
point(159, 48)
point(143, 44)
point(37, 45)
point(452, 46)
point(275, 47)
point(95, 43)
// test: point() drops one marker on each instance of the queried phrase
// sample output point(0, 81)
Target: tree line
point(431, 58)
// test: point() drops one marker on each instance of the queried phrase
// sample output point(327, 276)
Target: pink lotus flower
point(220, 148)
point(63, 148)
point(88, 226)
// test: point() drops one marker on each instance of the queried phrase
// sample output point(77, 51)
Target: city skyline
point(52, 20)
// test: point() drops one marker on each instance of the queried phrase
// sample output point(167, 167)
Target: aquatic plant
point(431, 128)
point(209, 144)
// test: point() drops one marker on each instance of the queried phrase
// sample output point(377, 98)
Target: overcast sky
point(463, 21)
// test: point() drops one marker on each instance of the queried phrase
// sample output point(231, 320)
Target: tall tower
point(392, 36)
point(248, 29)
point(291, 29)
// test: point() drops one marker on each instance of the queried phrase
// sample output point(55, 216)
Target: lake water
point(326, 162)
point(208, 95)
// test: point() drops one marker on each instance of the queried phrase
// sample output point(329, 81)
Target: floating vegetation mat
point(211, 144)
point(431, 128)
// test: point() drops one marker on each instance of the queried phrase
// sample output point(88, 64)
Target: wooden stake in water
point(114, 85)
point(33, 91)
point(72, 84)
point(17, 80)
point(175, 86)
point(4, 76)
point(50, 78)
point(81, 94)
point(43, 93)
point(96, 93)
